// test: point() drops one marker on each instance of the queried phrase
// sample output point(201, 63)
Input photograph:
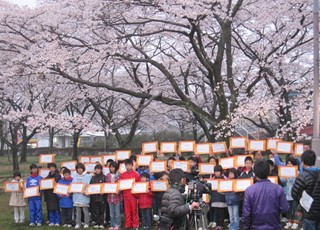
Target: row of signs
point(159, 166)
point(191, 146)
point(237, 185)
point(220, 185)
point(88, 189)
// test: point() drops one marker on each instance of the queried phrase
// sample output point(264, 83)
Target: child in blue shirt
point(34, 203)
point(65, 201)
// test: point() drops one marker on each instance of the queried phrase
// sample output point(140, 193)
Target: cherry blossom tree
point(212, 58)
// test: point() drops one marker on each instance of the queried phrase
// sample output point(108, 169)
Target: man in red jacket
point(130, 201)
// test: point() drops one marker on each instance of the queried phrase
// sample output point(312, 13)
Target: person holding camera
point(174, 208)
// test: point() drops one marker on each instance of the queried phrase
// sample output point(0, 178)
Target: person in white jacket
point(17, 201)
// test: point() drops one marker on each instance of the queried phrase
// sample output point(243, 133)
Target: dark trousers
point(146, 217)
point(219, 212)
point(107, 210)
point(66, 215)
point(211, 215)
point(97, 212)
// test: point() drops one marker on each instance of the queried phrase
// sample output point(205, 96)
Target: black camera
point(196, 189)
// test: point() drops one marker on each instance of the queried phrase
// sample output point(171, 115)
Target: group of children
point(100, 210)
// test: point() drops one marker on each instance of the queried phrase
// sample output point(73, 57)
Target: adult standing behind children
point(130, 201)
point(263, 201)
point(308, 181)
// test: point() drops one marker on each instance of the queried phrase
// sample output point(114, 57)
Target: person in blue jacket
point(233, 202)
point(34, 203)
point(65, 201)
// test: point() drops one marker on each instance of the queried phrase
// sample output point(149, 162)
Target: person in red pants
point(130, 201)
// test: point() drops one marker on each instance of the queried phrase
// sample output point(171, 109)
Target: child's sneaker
point(57, 225)
point(101, 227)
point(86, 226)
point(77, 226)
point(295, 226)
point(69, 226)
point(38, 224)
point(288, 225)
point(65, 225)
point(96, 226)
point(21, 221)
point(32, 224)
point(51, 224)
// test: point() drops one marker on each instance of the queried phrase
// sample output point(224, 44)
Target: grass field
point(6, 212)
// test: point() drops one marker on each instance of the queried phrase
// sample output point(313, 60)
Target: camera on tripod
point(197, 191)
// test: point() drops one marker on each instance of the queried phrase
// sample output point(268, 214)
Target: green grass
point(6, 212)
point(6, 216)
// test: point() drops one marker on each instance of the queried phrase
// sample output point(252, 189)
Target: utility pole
point(316, 124)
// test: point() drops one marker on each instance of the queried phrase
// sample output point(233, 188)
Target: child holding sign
point(293, 220)
point(114, 200)
point(51, 199)
point(97, 200)
point(218, 199)
point(233, 202)
point(65, 201)
point(145, 203)
point(130, 201)
point(17, 201)
point(34, 203)
point(81, 201)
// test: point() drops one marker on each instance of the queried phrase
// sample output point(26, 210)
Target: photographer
point(174, 208)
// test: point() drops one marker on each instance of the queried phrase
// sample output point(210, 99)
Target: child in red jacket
point(130, 201)
point(145, 203)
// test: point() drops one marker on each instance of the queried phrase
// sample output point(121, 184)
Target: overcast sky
point(30, 3)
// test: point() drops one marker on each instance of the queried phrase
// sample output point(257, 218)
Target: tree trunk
point(106, 138)
point(15, 160)
point(51, 137)
point(2, 147)
point(1, 140)
point(76, 136)
point(24, 146)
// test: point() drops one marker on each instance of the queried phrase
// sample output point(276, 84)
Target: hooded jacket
point(65, 202)
point(80, 199)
